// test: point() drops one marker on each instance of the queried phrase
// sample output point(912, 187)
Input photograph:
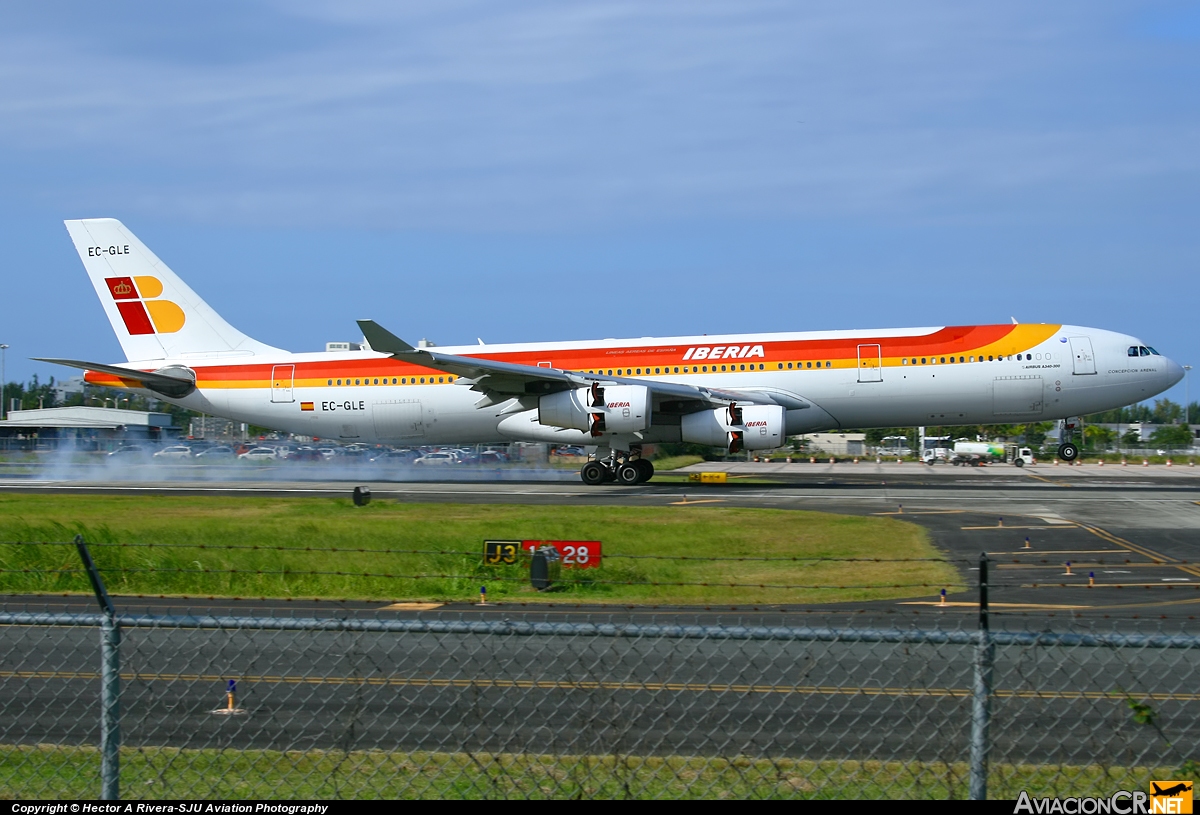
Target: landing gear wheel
point(1068, 452)
point(594, 473)
point(629, 474)
point(646, 467)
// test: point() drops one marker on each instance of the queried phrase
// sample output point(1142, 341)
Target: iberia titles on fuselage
point(737, 391)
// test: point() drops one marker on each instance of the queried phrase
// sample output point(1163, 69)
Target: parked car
point(175, 451)
point(215, 453)
point(305, 454)
point(259, 454)
point(395, 457)
point(437, 459)
point(129, 451)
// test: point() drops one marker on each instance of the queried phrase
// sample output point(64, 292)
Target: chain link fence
point(584, 705)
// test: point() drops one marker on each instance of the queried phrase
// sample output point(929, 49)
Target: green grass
point(190, 536)
point(54, 772)
point(668, 463)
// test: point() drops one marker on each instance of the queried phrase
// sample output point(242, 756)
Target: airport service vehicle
point(737, 392)
point(974, 453)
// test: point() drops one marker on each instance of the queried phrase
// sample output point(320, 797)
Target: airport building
point(84, 428)
point(837, 444)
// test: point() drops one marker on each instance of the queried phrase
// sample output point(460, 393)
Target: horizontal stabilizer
point(174, 381)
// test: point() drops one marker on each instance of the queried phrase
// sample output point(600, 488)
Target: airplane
point(737, 392)
point(1171, 792)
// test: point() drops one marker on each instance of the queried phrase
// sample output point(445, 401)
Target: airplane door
point(281, 383)
point(1081, 350)
point(870, 363)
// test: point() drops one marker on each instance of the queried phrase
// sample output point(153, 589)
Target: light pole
point(3, 356)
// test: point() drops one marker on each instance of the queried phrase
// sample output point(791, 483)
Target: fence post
point(981, 697)
point(110, 682)
point(110, 709)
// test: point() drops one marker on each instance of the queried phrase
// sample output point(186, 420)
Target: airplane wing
point(174, 381)
point(501, 381)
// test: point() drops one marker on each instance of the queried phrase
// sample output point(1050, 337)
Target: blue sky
point(543, 171)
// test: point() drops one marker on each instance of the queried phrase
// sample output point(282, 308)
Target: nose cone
point(1174, 372)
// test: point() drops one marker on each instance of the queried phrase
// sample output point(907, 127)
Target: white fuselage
point(847, 379)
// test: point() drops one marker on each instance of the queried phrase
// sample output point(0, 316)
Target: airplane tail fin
point(154, 314)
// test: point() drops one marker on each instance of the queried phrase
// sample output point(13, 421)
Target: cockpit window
point(1152, 351)
point(1145, 351)
point(1133, 351)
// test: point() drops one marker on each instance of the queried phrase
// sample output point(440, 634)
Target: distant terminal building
point(211, 427)
point(86, 428)
point(838, 444)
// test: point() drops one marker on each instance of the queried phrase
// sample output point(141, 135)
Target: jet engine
point(598, 410)
point(754, 427)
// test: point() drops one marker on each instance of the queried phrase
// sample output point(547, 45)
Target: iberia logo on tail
point(142, 313)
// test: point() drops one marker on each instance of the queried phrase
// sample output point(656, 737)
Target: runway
point(1131, 537)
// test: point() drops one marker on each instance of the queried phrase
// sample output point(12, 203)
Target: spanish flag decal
point(306, 405)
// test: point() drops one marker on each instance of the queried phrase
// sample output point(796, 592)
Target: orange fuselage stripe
point(997, 340)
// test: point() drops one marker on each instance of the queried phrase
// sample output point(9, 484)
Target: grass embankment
point(51, 772)
point(322, 547)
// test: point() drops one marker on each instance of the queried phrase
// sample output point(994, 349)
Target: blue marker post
point(1027, 546)
point(942, 602)
point(1091, 580)
point(230, 690)
point(483, 595)
point(1068, 571)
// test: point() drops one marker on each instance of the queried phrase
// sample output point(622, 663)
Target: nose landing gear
point(1067, 450)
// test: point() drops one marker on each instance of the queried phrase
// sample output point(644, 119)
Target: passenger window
point(943, 360)
point(922, 360)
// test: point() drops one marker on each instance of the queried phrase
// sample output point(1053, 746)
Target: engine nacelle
point(754, 427)
point(598, 410)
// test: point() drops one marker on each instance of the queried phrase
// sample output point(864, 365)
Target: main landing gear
point(627, 471)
